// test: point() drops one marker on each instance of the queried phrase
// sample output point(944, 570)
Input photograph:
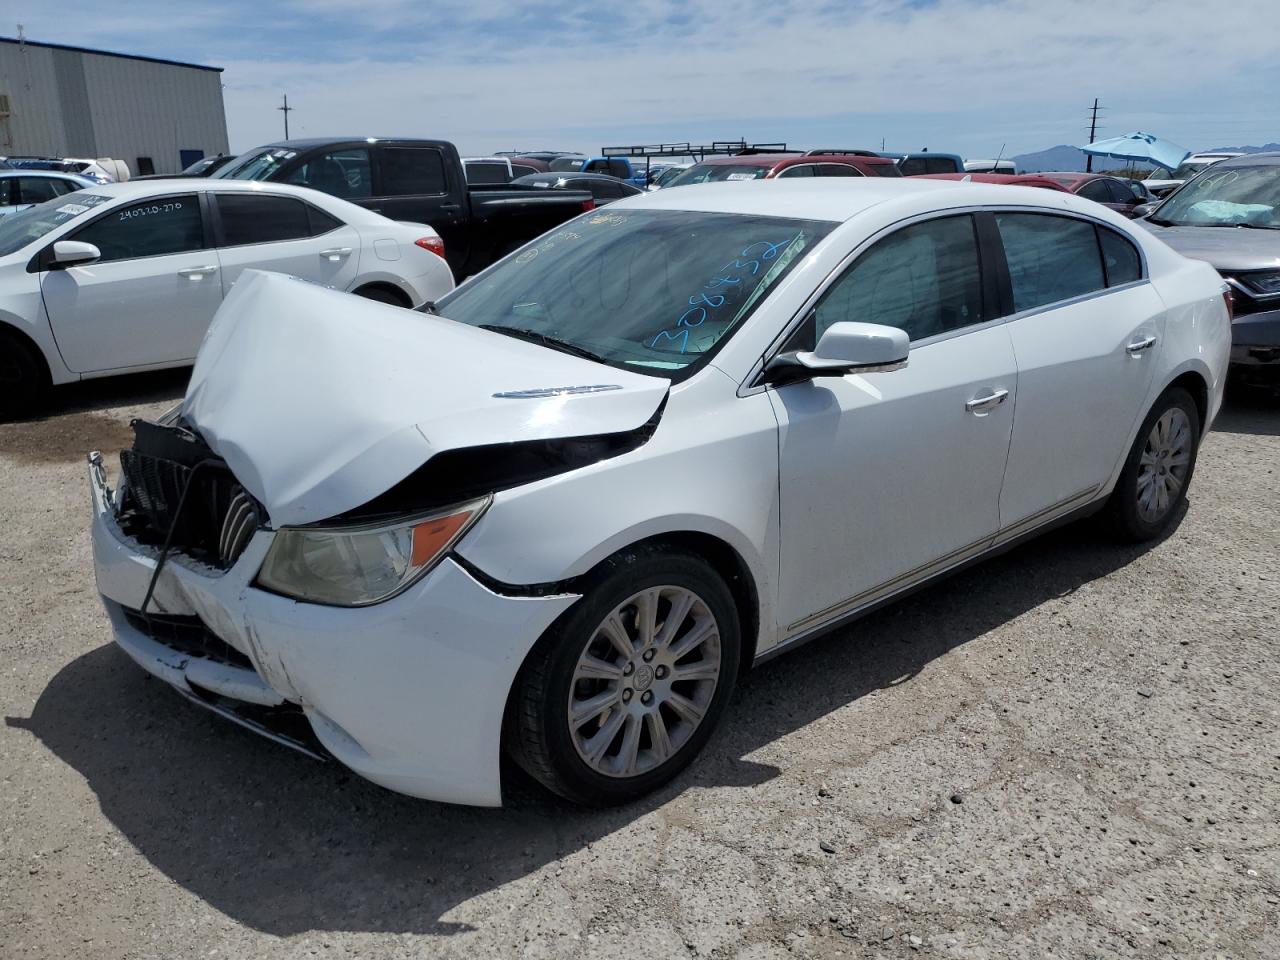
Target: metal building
point(156, 115)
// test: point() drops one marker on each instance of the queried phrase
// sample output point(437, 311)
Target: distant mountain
point(1064, 157)
point(1265, 148)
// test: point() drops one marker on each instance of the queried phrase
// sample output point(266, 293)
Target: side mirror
point(844, 348)
point(72, 253)
point(1142, 210)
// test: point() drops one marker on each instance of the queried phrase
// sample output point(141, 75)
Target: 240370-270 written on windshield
point(728, 279)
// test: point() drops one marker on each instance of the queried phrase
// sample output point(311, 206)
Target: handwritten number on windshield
point(747, 263)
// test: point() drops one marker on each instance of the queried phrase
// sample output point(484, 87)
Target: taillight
point(1230, 301)
point(588, 206)
point(433, 244)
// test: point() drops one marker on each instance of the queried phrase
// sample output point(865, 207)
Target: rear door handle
point(336, 253)
point(450, 206)
point(1135, 348)
point(980, 406)
point(195, 273)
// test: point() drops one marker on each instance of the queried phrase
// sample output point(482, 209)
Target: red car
point(775, 166)
point(1122, 196)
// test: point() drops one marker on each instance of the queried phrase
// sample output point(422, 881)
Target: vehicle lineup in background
point(786, 166)
point(657, 445)
point(122, 277)
point(422, 181)
point(1122, 196)
point(603, 188)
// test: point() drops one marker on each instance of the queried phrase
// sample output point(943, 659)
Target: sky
point(975, 77)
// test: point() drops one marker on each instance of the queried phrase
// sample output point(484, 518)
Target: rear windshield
point(710, 172)
point(647, 290)
point(257, 164)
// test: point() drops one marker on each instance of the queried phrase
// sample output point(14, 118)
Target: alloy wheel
point(644, 681)
point(1163, 467)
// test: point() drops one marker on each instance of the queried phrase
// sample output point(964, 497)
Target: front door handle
point(1135, 348)
point(980, 406)
point(195, 273)
point(336, 253)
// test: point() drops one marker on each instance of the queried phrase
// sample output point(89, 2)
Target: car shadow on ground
point(76, 420)
point(1249, 411)
point(285, 845)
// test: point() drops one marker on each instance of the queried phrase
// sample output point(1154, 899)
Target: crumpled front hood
point(319, 400)
point(1226, 249)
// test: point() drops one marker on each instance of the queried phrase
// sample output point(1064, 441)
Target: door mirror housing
point(844, 348)
point(1142, 210)
point(72, 253)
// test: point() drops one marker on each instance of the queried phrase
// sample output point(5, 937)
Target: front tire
point(626, 688)
point(1157, 474)
point(24, 378)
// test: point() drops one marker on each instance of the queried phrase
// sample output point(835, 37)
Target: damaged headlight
point(353, 566)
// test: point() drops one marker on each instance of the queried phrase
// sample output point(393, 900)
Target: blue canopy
point(1141, 147)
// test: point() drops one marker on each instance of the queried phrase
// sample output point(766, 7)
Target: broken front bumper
point(408, 693)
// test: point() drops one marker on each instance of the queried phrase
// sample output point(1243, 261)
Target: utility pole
point(286, 109)
point(1093, 135)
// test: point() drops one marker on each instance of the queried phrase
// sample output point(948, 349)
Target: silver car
point(1229, 215)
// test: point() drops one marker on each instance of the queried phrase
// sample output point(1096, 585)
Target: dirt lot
point(1070, 751)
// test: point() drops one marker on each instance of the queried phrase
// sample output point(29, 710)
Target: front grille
point(188, 635)
point(217, 519)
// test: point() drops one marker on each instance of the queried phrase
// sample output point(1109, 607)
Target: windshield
point(1234, 197)
point(668, 177)
point(29, 225)
point(711, 172)
point(1188, 169)
point(256, 165)
point(653, 291)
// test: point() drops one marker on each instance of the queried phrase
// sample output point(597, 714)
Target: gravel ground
point(1070, 751)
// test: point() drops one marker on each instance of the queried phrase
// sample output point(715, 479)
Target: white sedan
point(643, 453)
point(124, 277)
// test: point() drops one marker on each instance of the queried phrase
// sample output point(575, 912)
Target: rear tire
point(1157, 473)
point(606, 709)
point(24, 378)
point(383, 295)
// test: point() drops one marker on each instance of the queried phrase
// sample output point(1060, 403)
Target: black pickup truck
point(421, 181)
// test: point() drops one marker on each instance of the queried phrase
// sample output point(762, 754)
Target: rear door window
point(913, 166)
point(1096, 190)
point(149, 228)
point(412, 171)
point(799, 170)
point(254, 218)
point(1119, 257)
point(39, 189)
point(838, 170)
point(939, 165)
point(340, 173)
point(1050, 258)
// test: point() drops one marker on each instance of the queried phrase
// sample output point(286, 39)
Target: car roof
point(1044, 181)
point(140, 189)
point(1249, 160)
point(842, 198)
point(37, 172)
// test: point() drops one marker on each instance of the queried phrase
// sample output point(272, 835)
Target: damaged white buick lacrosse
point(559, 514)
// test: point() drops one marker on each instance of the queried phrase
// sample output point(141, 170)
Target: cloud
point(967, 75)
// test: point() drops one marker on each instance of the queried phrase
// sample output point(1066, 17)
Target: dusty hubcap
point(1162, 470)
point(644, 681)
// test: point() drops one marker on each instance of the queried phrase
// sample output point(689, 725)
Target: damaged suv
point(557, 514)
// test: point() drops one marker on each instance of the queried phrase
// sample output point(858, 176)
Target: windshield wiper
point(1160, 222)
point(554, 343)
point(1254, 226)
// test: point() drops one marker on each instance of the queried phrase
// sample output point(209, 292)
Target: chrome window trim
point(752, 383)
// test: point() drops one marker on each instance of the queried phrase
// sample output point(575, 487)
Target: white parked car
point(126, 276)
point(657, 446)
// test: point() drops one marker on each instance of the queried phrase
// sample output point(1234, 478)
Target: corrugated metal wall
point(78, 104)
